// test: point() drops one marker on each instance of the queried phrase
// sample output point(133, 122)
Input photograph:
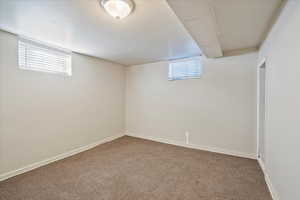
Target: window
point(39, 57)
point(185, 69)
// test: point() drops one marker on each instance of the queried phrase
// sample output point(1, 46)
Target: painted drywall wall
point(218, 110)
point(43, 115)
point(282, 140)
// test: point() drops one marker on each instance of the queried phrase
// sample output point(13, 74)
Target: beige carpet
point(136, 169)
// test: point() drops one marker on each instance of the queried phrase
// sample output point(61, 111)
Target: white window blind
point(39, 57)
point(185, 69)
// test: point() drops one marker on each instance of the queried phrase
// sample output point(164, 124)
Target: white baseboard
point(271, 188)
point(166, 141)
point(193, 146)
point(56, 158)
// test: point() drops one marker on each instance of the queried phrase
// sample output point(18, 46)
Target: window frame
point(183, 60)
point(48, 48)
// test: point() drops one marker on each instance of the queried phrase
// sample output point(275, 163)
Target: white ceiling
point(221, 26)
point(151, 33)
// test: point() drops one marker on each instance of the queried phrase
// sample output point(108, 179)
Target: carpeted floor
point(135, 169)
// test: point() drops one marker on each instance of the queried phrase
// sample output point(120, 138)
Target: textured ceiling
point(156, 30)
point(151, 33)
point(220, 26)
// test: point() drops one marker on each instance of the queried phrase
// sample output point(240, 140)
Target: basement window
point(39, 57)
point(185, 69)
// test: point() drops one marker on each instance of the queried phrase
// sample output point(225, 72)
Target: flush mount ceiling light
point(118, 8)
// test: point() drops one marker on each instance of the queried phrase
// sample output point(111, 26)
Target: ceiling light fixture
point(118, 8)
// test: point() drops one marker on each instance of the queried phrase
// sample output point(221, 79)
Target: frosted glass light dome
point(118, 8)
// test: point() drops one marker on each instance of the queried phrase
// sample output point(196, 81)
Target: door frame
point(262, 63)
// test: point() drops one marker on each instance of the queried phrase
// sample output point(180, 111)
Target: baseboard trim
point(56, 158)
point(193, 146)
point(271, 188)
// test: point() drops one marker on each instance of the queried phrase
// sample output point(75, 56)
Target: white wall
point(282, 52)
point(219, 110)
point(43, 115)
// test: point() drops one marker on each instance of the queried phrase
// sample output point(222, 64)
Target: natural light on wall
point(185, 68)
point(39, 57)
